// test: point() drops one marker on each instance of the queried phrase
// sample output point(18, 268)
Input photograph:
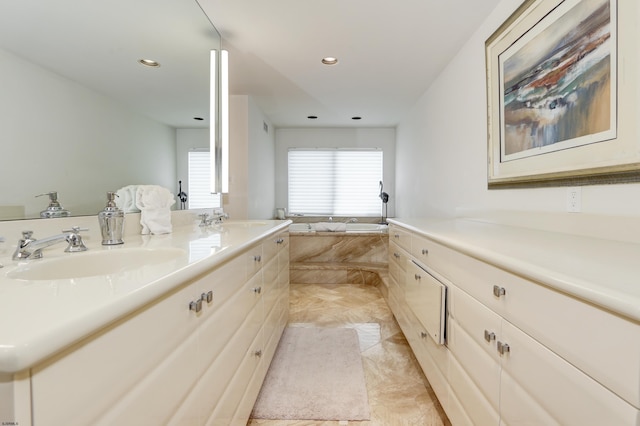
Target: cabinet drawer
point(603, 345)
point(481, 324)
point(539, 387)
point(400, 236)
point(430, 253)
point(398, 259)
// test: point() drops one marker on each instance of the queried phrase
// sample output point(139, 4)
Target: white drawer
point(603, 345)
point(430, 253)
point(400, 236)
point(538, 387)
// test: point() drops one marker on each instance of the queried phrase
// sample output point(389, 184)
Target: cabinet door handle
point(397, 235)
point(499, 291)
point(257, 290)
point(279, 241)
point(196, 305)
point(257, 258)
point(258, 353)
point(503, 348)
point(417, 277)
point(425, 251)
point(423, 334)
point(207, 297)
point(489, 335)
point(396, 255)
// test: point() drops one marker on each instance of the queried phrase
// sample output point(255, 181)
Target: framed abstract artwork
point(563, 93)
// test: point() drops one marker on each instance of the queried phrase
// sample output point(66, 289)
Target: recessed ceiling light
point(356, 118)
point(329, 60)
point(149, 63)
point(312, 117)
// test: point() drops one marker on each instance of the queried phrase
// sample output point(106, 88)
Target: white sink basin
point(93, 263)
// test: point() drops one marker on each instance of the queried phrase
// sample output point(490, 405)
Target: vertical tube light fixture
point(219, 119)
point(213, 121)
point(224, 117)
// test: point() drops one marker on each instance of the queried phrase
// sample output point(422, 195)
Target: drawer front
point(430, 253)
point(398, 258)
point(539, 387)
point(571, 328)
point(400, 236)
point(481, 324)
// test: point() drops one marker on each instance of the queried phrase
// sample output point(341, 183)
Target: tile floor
point(399, 394)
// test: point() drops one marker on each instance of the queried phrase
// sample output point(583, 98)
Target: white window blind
point(341, 182)
point(199, 192)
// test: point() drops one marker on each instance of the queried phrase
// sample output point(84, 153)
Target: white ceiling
point(389, 53)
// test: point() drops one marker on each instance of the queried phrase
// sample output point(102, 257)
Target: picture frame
point(563, 95)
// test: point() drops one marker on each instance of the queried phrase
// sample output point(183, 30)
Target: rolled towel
point(330, 227)
point(155, 204)
point(126, 199)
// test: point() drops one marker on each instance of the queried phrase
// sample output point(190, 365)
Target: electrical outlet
point(574, 199)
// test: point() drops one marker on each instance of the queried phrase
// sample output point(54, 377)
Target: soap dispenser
point(111, 221)
point(54, 209)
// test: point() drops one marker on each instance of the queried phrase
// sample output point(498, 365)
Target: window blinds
point(199, 192)
point(341, 182)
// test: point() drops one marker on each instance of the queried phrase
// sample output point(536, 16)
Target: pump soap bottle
point(111, 221)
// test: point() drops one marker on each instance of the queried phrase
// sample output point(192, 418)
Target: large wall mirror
point(80, 115)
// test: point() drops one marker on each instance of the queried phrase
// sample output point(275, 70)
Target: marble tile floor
point(399, 394)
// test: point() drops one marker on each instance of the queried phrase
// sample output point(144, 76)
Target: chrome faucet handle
point(75, 240)
point(204, 219)
point(26, 235)
point(75, 229)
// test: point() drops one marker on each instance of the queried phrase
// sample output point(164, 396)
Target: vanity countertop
point(39, 318)
point(600, 271)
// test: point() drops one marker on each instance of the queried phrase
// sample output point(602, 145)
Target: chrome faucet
point(330, 219)
point(352, 220)
point(30, 248)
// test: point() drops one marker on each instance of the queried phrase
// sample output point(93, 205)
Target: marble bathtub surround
point(398, 392)
point(338, 258)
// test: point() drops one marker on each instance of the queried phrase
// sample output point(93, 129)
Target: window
point(199, 192)
point(341, 182)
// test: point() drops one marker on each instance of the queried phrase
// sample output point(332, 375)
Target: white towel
point(126, 199)
point(154, 203)
point(330, 227)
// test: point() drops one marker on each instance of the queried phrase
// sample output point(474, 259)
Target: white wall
point(251, 162)
point(59, 136)
point(442, 148)
point(383, 138)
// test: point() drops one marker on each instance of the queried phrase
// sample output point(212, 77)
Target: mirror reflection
point(81, 116)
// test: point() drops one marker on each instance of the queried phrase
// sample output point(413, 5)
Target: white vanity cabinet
point(520, 352)
point(195, 356)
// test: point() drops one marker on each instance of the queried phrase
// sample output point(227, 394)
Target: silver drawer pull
point(489, 335)
point(499, 291)
point(257, 290)
point(417, 277)
point(257, 258)
point(397, 235)
point(196, 305)
point(423, 334)
point(279, 241)
point(258, 353)
point(396, 255)
point(425, 251)
point(207, 297)
point(503, 348)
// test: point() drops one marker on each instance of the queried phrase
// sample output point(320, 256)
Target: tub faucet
point(330, 218)
point(352, 220)
point(30, 248)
